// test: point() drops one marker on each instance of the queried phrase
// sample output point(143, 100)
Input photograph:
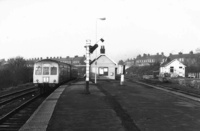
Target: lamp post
point(96, 50)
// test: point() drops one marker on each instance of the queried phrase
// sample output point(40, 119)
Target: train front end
point(46, 72)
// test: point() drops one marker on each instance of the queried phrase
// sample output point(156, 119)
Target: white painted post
point(88, 42)
point(122, 79)
point(122, 76)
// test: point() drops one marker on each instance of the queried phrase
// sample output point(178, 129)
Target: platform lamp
point(96, 51)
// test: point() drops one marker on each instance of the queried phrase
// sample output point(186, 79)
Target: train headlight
point(54, 81)
point(37, 81)
point(46, 79)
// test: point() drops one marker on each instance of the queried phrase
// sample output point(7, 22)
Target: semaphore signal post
point(88, 42)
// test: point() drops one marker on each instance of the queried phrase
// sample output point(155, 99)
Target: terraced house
point(129, 63)
point(187, 59)
point(148, 59)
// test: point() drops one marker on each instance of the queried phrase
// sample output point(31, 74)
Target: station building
point(103, 66)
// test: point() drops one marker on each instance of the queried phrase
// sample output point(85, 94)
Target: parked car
point(164, 77)
point(191, 76)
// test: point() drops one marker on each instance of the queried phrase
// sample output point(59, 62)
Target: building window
point(171, 69)
point(181, 59)
point(103, 71)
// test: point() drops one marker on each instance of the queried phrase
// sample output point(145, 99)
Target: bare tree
point(121, 62)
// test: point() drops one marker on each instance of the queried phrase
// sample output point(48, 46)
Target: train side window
point(53, 71)
point(38, 71)
point(45, 70)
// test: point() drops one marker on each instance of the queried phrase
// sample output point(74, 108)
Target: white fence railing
point(195, 75)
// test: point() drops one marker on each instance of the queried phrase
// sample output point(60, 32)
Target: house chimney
point(144, 55)
point(102, 50)
point(180, 53)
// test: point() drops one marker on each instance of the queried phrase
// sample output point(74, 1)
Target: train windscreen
point(45, 70)
point(38, 71)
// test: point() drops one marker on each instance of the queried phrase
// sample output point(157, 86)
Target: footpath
point(69, 109)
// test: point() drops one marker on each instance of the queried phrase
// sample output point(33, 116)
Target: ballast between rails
point(23, 93)
point(17, 92)
point(10, 113)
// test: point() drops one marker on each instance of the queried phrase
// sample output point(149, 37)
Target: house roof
point(156, 57)
point(100, 57)
point(180, 55)
point(78, 58)
point(169, 62)
point(49, 60)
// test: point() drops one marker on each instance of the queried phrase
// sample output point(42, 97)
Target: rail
point(8, 100)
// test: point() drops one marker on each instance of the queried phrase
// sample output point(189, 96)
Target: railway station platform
point(69, 109)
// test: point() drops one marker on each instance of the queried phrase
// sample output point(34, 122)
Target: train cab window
point(45, 70)
point(53, 71)
point(38, 71)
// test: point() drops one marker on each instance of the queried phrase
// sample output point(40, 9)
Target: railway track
point(23, 104)
point(15, 107)
point(4, 99)
point(22, 114)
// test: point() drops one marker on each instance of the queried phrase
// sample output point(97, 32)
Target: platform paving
point(69, 109)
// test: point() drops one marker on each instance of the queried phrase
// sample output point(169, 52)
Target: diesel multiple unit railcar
point(52, 72)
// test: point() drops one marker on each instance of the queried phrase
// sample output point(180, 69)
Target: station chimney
point(102, 50)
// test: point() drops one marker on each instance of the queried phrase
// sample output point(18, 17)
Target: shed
point(104, 67)
point(175, 68)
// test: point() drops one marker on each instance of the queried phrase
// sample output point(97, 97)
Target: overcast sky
point(41, 28)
